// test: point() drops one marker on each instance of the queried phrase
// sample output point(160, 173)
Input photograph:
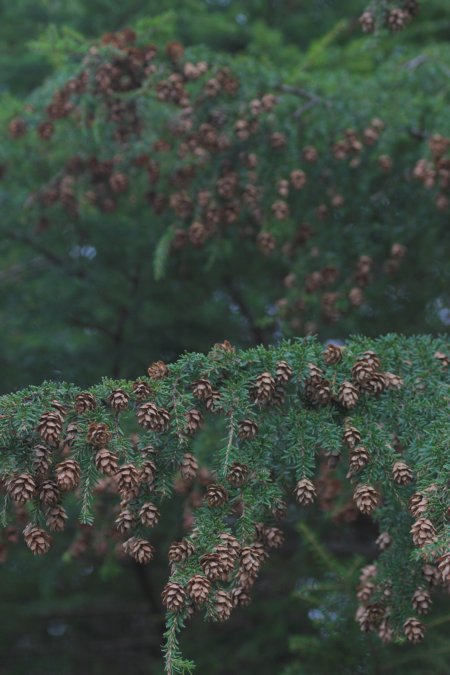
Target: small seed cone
point(49, 493)
point(149, 514)
point(106, 462)
point(198, 588)
point(305, 492)
point(223, 605)
point(37, 540)
point(56, 518)
point(414, 630)
point(238, 474)
point(366, 498)
point(173, 597)
point(423, 532)
point(421, 601)
point(189, 467)
point(216, 495)
point(247, 429)
point(348, 395)
point(67, 475)
point(21, 488)
point(402, 473)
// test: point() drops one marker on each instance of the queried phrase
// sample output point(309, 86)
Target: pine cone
point(41, 459)
point(223, 605)
point(198, 588)
point(374, 385)
point(231, 543)
point(227, 557)
point(106, 462)
point(392, 381)
point(366, 498)
point(385, 632)
point(332, 354)
point(202, 389)
point(305, 492)
point(67, 475)
point(250, 560)
point(273, 537)
point(140, 549)
point(443, 359)
point(414, 630)
point(284, 372)
point(152, 418)
point(347, 395)
point(147, 473)
point(383, 541)
point(372, 359)
point(118, 400)
point(430, 574)
point(213, 402)
point(279, 509)
point(21, 488)
point(215, 495)
point(98, 434)
point(125, 521)
point(396, 20)
point(50, 427)
point(180, 551)
point(247, 429)
point(237, 474)
point(37, 540)
point(127, 478)
point(443, 564)
point(423, 532)
point(193, 420)
point(149, 514)
point(351, 437)
point(71, 434)
point(402, 473)
point(211, 564)
point(173, 597)
point(56, 518)
point(421, 601)
point(49, 493)
point(84, 403)
point(240, 596)
point(142, 390)
point(365, 592)
point(264, 387)
point(158, 370)
point(418, 505)
point(358, 460)
point(367, 21)
point(189, 467)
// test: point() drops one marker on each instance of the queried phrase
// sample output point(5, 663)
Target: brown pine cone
point(443, 566)
point(180, 551)
point(142, 390)
point(21, 488)
point(193, 420)
point(333, 354)
point(71, 434)
point(443, 359)
point(198, 588)
point(125, 521)
point(173, 597)
point(37, 540)
point(421, 601)
point(374, 385)
point(402, 473)
point(212, 403)
point(152, 418)
point(157, 370)
point(230, 542)
point(147, 473)
point(240, 596)
point(365, 592)
point(372, 359)
point(50, 427)
point(118, 400)
point(106, 462)
point(202, 389)
point(264, 387)
point(41, 459)
point(227, 557)
point(247, 429)
point(385, 632)
point(283, 371)
point(396, 20)
point(56, 518)
point(189, 467)
point(367, 21)
point(98, 434)
point(237, 474)
point(215, 495)
point(273, 537)
point(305, 492)
point(84, 403)
point(149, 514)
point(361, 372)
point(67, 475)
point(211, 564)
point(417, 505)
point(423, 532)
point(127, 478)
point(49, 493)
point(366, 498)
point(358, 460)
point(351, 437)
point(348, 395)
point(414, 630)
point(223, 605)
point(392, 381)
point(140, 549)
point(383, 541)
point(250, 560)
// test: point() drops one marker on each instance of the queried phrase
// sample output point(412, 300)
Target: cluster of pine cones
point(382, 14)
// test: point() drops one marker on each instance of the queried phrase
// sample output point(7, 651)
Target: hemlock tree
point(177, 188)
